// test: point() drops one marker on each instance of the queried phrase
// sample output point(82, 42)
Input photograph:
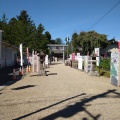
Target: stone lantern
point(93, 65)
point(41, 61)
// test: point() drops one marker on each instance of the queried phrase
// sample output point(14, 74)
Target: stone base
point(42, 73)
point(94, 73)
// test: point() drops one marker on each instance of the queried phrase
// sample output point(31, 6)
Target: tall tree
point(48, 36)
point(74, 41)
point(4, 27)
point(42, 39)
point(27, 29)
point(58, 41)
point(89, 40)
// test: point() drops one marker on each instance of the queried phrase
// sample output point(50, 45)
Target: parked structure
point(8, 53)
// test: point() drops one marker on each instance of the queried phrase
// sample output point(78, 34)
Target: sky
point(62, 18)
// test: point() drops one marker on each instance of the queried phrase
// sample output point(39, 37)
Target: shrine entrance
point(58, 50)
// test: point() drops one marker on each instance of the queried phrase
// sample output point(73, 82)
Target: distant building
point(8, 53)
point(112, 47)
point(58, 50)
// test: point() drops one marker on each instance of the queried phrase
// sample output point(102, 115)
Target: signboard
point(21, 54)
point(97, 52)
point(118, 45)
point(35, 62)
point(80, 62)
point(73, 56)
point(114, 70)
point(46, 60)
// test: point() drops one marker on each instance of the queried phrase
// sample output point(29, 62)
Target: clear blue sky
point(64, 17)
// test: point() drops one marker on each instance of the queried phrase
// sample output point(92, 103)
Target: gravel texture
point(65, 94)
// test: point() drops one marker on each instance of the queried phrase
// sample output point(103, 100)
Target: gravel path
point(65, 94)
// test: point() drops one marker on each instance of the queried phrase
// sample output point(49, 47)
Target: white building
point(8, 53)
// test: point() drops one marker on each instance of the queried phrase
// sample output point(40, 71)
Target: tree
point(58, 41)
point(42, 39)
point(23, 30)
point(88, 41)
point(27, 30)
point(74, 41)
point(4, 27)
point(48, 36)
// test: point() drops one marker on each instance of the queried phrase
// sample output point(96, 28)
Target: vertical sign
point(27, 54)
point(80, 60)
point(97, 52)
point(35, 62)
point(73, 56)
point(114, 70)
point(46, 60)
point(118, 45)
point(21, 55)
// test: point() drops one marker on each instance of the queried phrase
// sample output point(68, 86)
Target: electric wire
point(104, 15)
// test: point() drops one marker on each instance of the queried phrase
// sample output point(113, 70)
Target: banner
point(80, 62)
point(73, 56)
point(27, 54)
point(118, 45)
point(46, 60)
point(97, 52)
point(21, 55)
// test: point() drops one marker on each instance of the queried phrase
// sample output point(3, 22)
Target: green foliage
point(23, 30)
point(105, 64)
point(58, 41)
point(88, 41)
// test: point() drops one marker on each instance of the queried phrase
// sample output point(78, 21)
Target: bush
point(105, 64)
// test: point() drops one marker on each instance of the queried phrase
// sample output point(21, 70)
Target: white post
point(0, 46)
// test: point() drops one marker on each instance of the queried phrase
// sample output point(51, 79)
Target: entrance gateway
point(58, 50)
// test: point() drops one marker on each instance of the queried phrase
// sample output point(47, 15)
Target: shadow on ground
point(71, 110)
point(6, 75)
point(23, 87)
point(55, 63)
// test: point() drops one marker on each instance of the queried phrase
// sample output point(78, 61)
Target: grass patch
point(104, 73)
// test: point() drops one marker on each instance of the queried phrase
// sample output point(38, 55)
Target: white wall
point(8, 56)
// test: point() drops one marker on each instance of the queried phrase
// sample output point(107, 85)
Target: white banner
point(97, 52)
point(80, 63)
point(46, 60)
point(21, 55)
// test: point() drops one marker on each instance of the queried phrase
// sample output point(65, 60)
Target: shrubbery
point(105, 64)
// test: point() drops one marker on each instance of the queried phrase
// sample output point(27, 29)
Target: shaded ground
point(7, 73)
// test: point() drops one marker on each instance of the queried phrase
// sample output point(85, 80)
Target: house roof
point(57, 45)
point(9, 45)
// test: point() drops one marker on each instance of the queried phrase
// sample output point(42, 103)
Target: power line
point(104, 15)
